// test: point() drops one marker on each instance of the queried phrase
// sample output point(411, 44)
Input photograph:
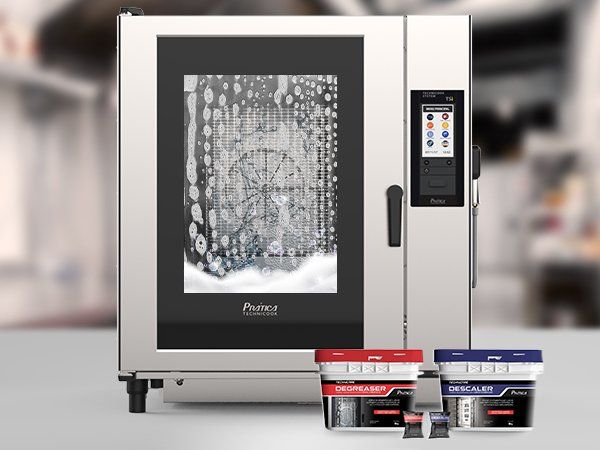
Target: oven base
point(245, 387)
point(300, 387)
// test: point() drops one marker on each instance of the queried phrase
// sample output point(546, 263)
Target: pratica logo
point(259, 310)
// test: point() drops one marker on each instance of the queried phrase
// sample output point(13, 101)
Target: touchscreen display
point(437, 124)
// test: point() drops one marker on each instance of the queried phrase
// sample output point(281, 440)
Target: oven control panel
point(437, 148)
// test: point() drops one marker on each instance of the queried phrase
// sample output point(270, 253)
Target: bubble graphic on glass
point(263, 169)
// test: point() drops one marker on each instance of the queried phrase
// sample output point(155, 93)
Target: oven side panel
point(438, 292)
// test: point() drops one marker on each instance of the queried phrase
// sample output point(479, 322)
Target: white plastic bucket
point(490, 390)
point(367, 389)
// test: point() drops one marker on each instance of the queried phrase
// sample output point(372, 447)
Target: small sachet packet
point(439, 425)
point(413, 424)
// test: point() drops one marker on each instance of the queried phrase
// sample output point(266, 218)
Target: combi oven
point(324, 166)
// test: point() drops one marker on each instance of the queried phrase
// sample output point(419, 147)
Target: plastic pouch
point(413, 424)
point(439, 425)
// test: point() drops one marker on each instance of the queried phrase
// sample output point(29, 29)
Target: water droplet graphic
point(196, 212)
point(190, 82)
point(208, 95)
point(279, 199)
point(212, 218)
point(201, 244)
point(275, 248)
point(194, 193)
point(193, 229)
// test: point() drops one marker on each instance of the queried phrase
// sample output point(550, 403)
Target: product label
point(474, 404)
point(348, 403)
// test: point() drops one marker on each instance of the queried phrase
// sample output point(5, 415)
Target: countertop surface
point(60, 391)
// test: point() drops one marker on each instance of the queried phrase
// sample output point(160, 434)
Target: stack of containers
point(489, 389)
point(367, 389)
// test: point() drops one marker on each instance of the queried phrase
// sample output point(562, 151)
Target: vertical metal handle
point(476, 172)
point(394, 195)
point(475, 262)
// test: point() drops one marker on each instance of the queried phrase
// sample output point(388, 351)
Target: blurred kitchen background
point(536, 114)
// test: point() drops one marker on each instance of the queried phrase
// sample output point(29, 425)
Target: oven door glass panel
point(261, 191)
point(269, 163)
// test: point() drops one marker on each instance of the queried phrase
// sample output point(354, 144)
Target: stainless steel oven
point(324, 165)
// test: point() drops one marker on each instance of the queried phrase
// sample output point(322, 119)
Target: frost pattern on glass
point(260, 198)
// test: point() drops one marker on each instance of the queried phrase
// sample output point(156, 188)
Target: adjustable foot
point(137, 390)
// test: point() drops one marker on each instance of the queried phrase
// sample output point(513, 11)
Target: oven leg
point(137, 390)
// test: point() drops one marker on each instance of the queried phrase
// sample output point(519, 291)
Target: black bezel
point(215, 321)
point(418, 99)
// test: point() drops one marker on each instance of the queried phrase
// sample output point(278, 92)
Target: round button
point(445, 125)
point(430, 134)
point(445, 116)
point(429, 143)
point(445, 134)
point(429, 124)
point(449, 162)
point(445, 143)
point(429, 116)
point(426, 162)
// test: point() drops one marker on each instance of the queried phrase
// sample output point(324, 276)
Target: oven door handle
point(394, 195)
point(476, 173)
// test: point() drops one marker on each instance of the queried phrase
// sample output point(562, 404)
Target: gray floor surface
point(60, 392)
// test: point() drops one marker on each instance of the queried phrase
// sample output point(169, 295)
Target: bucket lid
point(458, 355)
point(369, 355)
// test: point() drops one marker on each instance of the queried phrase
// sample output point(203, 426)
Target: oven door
point(282, 148)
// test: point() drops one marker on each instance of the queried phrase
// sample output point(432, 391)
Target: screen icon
point(429, 116)
point(430, 143)
point(445, 116)
point(429, 124)
point(445, 134)
point(430, 134)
